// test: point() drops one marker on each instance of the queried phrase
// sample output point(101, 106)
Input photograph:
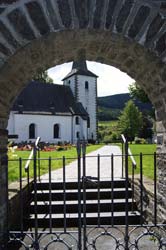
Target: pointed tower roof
point(79, 68)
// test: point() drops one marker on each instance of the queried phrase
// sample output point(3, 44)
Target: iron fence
point(81, 210)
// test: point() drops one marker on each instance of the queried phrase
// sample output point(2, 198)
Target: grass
point(147, 150)
point(148, 158)
point(57, 156)
point(108, 123)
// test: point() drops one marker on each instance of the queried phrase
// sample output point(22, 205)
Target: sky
point(110, 79)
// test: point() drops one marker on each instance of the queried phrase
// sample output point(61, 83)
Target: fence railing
point(31, 154)
point(82, 169)
point(31, 157)
point(126, 153)
point(126, 150)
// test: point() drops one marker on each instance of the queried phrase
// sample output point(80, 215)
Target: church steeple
point(80, 65)
point(83, 84)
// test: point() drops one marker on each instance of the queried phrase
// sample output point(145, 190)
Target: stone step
point(44, 185)
point(57, 220)
point(57, 207)
point(91, 194)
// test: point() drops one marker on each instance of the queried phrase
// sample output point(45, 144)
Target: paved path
point(91, 165)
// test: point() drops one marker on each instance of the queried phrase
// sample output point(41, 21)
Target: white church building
point(57, 113)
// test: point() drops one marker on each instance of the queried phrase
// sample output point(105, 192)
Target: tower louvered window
point(77, 120)
point(86, 85)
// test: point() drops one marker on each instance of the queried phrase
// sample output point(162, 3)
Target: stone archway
point(36, 35)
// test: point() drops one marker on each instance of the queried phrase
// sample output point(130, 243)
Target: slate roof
point(46, 97)
point(80, 68)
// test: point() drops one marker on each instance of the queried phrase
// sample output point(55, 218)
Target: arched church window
point(69, 82)
point(77, 120)
point(86, 85)
point(78, 134)
point(32, 130)
point(56, 130)
point(88, 122)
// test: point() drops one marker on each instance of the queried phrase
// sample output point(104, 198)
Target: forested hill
point(118, 102)
point(110, 107)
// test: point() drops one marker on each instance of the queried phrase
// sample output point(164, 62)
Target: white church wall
point(81, 128)
point(84, 128)
point(11, 123)
point(88, 99)
point(76, 128)
point(71, 83)
point(44, 127)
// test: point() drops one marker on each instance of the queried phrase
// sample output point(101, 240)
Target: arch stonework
point(38, 34)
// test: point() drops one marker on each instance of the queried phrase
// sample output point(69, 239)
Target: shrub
point(91, 141)
point(60, 148)
point(140, 141)
point(114, 137)
point(107, 139)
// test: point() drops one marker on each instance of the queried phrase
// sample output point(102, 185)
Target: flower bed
point(45, 147)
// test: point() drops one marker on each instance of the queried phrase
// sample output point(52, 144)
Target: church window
point(77, 120)
point(69, 82)
point(78, 134)
point(88, 122)
point(32, 128)
point(56, 130)
point(86, 85)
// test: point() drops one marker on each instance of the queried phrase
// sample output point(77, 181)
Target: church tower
point(83, 84)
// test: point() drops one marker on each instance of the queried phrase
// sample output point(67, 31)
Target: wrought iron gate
point(109, 232)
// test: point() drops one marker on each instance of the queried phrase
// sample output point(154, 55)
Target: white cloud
point(111, 80)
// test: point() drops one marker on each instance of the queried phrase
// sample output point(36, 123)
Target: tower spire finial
point(80, 62)
point(80, 65)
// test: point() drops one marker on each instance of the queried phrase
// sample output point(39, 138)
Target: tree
point(43, 77)
point(146, 131)
point(130, 121)
point(137, 92)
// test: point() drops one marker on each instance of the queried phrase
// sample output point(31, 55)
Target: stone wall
point(3, 178)
point(23, 21)
point(14, 204)
point(38, 34)
point(148, 202)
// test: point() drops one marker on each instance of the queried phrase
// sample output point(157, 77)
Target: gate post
point(79, 194)
point(84, 192)
point(127, 198)
point(3, 186)
point(36, 244)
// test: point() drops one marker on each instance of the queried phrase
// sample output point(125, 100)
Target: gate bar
point(38, 152)
point(36, 244)
point(84, 181)
point(141, 187)
point(6, 234)
point(112, 190)
point(50, 195)
point(155, 190)
point(122, 158)
point(127, 198)
point(98, 187)
point(21, 195)
point(64, 192)
point(79, 195)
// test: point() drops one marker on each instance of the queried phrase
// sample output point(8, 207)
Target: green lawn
point(56, 161)
point(56, 156)
point(148, 158)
